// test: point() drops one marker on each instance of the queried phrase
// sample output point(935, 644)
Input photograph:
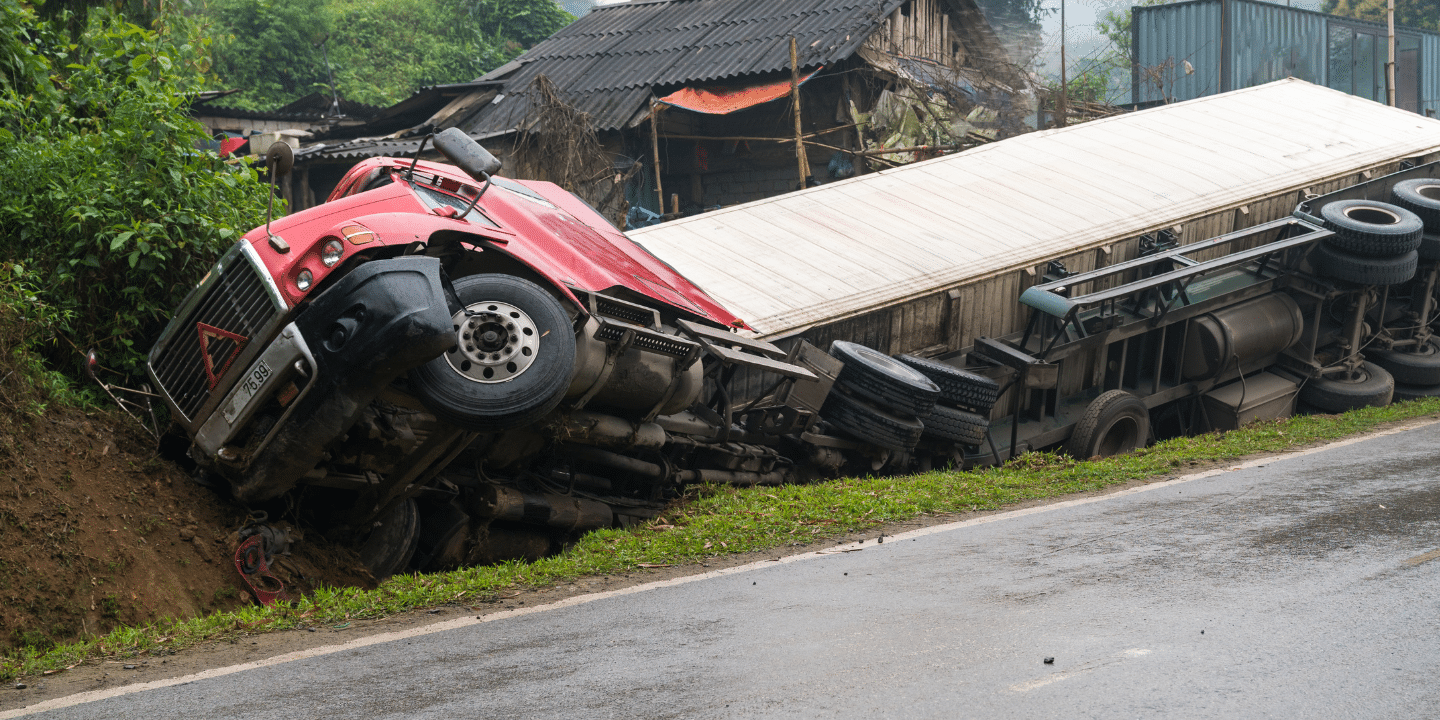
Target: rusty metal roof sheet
point(607, 61)
point(859, 245)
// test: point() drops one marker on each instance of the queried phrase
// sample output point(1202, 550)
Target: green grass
point(724, 521)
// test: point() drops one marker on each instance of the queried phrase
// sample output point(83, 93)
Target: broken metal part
point(254, 568)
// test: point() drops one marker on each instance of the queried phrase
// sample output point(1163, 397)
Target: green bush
point(380, 50)
point(27, 324)
point(104, 198)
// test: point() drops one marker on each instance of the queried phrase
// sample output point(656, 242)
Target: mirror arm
point(278, 161)
point(478, 195)
point(410, 177)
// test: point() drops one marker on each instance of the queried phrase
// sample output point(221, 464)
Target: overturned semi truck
point(446, 367)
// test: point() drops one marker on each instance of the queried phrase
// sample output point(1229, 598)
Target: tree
point(1115, 63)
point(381, 50)
point(266, 49)
point(1017, 22)
point(1423, 14)
point(107, 206)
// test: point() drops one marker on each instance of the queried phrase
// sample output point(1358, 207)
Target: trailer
point(925, 258)
point(1327, 309)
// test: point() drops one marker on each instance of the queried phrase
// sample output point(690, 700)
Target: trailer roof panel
point(788, 262)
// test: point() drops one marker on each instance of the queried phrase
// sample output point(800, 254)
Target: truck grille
point(233, 310)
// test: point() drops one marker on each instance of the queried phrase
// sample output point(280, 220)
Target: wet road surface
point(1306, 587)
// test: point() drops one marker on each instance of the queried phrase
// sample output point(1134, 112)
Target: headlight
point(303, 280)
point(331, 253)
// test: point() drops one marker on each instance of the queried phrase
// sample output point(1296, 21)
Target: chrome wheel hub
point(494, 342)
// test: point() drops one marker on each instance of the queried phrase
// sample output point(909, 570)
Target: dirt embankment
point(96, 529)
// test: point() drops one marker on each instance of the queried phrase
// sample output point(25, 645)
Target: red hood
point(559, 236)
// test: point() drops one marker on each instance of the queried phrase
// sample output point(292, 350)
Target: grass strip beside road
point(718, 521)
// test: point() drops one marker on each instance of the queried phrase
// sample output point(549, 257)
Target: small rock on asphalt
point(1049, 661)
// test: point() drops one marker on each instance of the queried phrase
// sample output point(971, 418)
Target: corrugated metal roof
point(857, 245)
point(607, 61)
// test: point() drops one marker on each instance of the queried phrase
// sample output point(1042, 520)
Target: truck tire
point(512, 359)
point(1114, 423)
point(958, 388)
point(1418, 367)
point(1374, 388)
point(1374, 229)
point(389, 547)
point(959, 426)
point(867, 423)
point(1333, 262)
point(1422, 197)
point(876, 377)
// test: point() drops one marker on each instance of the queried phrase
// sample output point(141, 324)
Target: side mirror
point(279, 159)
point(463, 152)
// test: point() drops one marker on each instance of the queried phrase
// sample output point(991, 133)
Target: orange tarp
point(725, 100)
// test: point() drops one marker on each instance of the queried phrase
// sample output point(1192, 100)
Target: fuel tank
point(1240, 333)
point(640, 380)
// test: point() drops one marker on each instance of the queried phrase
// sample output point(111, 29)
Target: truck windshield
point(435, 198)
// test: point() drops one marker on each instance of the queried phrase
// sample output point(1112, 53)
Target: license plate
point(246, 391)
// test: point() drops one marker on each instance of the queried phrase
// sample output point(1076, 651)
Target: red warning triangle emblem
point(209, 334)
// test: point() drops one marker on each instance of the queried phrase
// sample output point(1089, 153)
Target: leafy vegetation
point(27, 385)
point(380, 50)
point(105, 202)
point(1017, 22)
point(720, 521)
point(1423, 14)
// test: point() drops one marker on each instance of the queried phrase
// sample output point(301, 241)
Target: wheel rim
point(1121, 436)
point(494, 342)
point(1425, 350)
point(883, 361)
point(1372, 215)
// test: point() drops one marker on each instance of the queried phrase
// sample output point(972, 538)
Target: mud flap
point(382, 319)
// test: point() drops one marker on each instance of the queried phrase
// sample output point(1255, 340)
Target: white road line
point(95, 695)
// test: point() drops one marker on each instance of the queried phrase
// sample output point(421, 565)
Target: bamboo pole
point(655, 148)
point(1062, 110)
point(727, 138)
point(888, 151)
point(1390, 65)
point(800, 159)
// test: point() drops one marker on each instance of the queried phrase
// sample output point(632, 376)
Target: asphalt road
point(1304, 587)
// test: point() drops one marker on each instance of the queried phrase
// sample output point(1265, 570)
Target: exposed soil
point(97, 530)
